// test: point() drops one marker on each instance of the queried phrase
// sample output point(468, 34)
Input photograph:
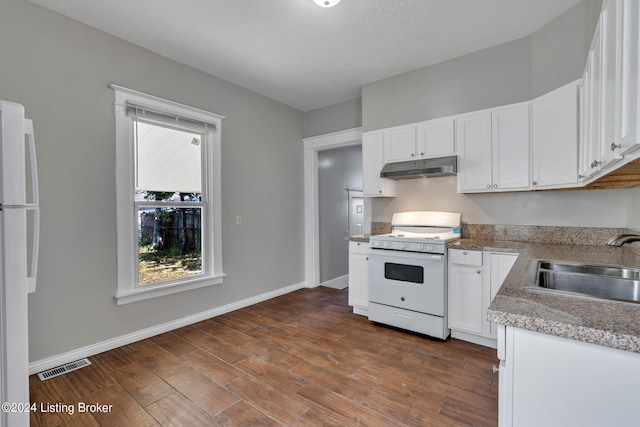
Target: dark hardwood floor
point(302, 359)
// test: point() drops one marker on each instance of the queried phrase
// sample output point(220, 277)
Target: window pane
point(169, 243)
point(168, 161)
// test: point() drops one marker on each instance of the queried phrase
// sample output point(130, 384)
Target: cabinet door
point(400, 144)
point(609, 28)
point(474, 151)
point(583, 162)
point(465, 299)
point(358, 275)
point(628, 90)
point(593, 88)
point(554, 147)
point(436, 138)
point(558, 382)
point(510, 147)
point(372, 163)
point(499, 266)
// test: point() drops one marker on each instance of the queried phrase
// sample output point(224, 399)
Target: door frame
point(313, 145)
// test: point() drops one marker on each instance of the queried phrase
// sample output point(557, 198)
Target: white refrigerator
point(19, 236)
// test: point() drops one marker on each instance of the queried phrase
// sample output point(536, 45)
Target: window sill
point(140, 294)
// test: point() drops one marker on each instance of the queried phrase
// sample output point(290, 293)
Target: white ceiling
point(306, 56)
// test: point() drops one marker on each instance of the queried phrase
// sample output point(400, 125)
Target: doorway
point(339, 185)
point(313, 146)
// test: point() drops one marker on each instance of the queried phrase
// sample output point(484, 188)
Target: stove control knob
point(421, 247)
point(386, 244)
point(403, 246)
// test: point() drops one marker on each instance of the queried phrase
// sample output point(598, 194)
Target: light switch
point(238, 220)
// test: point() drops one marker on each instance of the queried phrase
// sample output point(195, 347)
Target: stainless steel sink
point(591, 281)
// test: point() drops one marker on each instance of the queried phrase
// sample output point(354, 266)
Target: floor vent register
point(61, 370)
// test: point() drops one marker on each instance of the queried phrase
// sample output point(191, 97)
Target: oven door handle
point(387, 254)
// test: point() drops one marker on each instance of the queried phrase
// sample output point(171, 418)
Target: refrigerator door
point(12, 155)
point(14, 343)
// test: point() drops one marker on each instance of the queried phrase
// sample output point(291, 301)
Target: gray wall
point(341, 116)
point(491, 77)
point(511, 72)
point(338, 169)
point(59, 69)
point(560, 48)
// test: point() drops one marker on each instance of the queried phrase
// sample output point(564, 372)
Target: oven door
point(409, 280)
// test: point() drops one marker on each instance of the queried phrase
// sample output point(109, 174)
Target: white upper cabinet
point(433, 138)
point(609, 30)
point(436, 138)
point(627, 88)
point(554, 145)
point(400, 143)
point(583, 152)
point(510, 138)
point(611, 91)
point(474, 152)
point(593, 89)
point(372, 163)
point(493, 149)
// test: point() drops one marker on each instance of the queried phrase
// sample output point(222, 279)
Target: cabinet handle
point(464, 253)
point(380, 191)
point(595, 163)
point(534, 183)
point(412, 155)
point(614, 146)
point(581, 176)
point(488, 185)
point(422, 154)
point(495, 185)
point(367, 258)
point(495, 369)
point(478, 271)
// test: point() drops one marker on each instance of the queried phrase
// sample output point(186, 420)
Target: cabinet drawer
point(359, 247)
point(466, 257)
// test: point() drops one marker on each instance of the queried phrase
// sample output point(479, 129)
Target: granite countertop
point(608, 324)
point(359, 238)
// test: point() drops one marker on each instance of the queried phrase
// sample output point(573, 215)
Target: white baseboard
point(93, 349)
point(337, 283)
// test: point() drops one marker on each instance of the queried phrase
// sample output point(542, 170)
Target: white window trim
point(128, 290)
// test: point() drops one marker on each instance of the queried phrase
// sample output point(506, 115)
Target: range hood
point(441, 166)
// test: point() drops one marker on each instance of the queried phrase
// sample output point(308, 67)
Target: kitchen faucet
point(621, 239)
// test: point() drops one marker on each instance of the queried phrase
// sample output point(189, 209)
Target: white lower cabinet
point(550, 381)
point(359, 277)
point(465, 291)
point(474, 280)
point(499, 266)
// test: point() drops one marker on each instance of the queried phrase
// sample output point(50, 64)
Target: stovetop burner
point(424, 227)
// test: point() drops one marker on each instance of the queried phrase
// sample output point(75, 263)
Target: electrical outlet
point(238, 220)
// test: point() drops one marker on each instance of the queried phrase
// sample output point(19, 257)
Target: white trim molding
point(110, 344)
point(337, 283)
point(312, 145)
point(128, 289)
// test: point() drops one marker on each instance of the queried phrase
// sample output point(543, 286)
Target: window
point(168, 196)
